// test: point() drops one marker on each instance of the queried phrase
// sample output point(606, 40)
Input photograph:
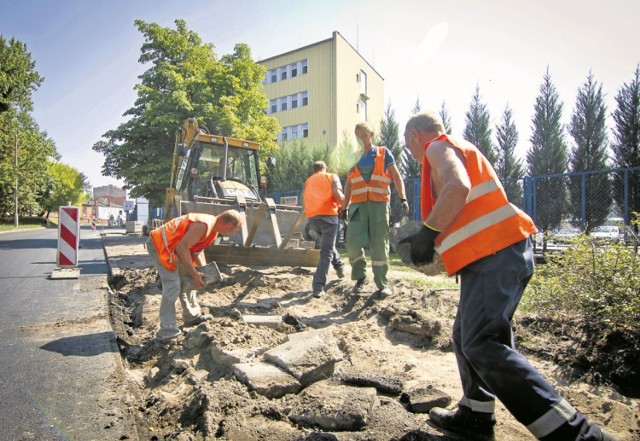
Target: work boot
point(201, 318)
point(359, 286)
point(318, 292)
point(340, 271)
point(384, 292)
point(473, 425)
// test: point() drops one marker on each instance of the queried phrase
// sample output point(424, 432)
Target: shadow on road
point(87, 345)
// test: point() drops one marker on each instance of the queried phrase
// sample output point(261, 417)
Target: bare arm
point(336, 189)
point(347, 193)
point(192, 236)
point(450, 182)
point(397, 181)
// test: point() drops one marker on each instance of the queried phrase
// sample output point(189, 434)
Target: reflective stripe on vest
point(377, 189)
point(318, 195)
point(487, 223)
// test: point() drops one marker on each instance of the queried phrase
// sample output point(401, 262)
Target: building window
point(362, 109)
point(363, 82)
point(294, 132)
point(294, 71)
point(274, 106)
point(305, 130)
point(283, 74)
point(305, 98)
point(283, 103)
point(304, 66)
point(274, 75)
point(294, 101)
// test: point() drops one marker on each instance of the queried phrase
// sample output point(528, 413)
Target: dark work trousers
point(328, 235)
point(490, 366)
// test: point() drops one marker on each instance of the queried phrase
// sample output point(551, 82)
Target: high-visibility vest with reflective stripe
point(487, 223)
point(166, 238)
point(377, 189)
point(318, 195)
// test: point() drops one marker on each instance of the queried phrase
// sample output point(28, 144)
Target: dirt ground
point(182, 394)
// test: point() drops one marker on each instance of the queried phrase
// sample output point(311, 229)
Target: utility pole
point(15, 216)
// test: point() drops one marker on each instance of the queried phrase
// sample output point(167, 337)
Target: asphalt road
point(59, 363)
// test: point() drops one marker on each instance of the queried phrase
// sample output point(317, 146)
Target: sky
point(431, 51)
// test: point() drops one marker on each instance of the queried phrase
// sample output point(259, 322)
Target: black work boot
point(464, 422)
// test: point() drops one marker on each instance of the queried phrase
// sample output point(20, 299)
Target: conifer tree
point(589, 153)
point(508, 167)
point(626, 142)
point(411, 167)
point(446, 119)
point(548, 155)
point(477, 130)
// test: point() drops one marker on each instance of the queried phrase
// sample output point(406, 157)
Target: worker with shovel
point(176, 249)
point(486, 241)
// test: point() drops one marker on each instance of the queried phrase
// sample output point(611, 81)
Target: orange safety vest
point(318, 196)
point(166, 238)
point(487, 223)
point(377, 189)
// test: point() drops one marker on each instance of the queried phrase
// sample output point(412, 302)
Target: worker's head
point(228, 222)
point(319, 166)
point(364, 134)
point(420, 129)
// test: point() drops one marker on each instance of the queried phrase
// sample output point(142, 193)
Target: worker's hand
point(404, 207)
point(422, 245)
point(345, 214)
point(198, 280)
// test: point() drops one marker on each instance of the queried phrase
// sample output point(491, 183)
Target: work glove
point(404, 207)
point(422, 245)
point(345, 214)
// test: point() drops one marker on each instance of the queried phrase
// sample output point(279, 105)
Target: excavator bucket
point(260, 242)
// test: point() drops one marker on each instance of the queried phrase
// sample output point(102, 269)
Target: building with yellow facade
point(319, 92)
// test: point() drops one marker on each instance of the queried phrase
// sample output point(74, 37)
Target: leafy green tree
point(68, 186)
point(548, 155)
point(18, 79)
point(508, 167)
point(186, 79)
point(294, 164)
point(35, 150)
point(477, 129)
point(626, 141)
point(589, 153)
point(446, 119)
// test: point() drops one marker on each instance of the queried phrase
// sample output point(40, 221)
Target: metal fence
point(583, 200)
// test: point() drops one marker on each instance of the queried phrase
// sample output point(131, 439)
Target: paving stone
point(334, 407)
point(266, 379)
point(422, 400)
point(270, 321)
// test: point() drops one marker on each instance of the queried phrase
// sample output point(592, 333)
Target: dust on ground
point(179, 392)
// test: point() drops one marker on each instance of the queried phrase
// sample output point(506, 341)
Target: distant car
point(606, 233)
point(564, 235)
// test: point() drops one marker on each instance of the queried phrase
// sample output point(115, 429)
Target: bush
point(599, 283)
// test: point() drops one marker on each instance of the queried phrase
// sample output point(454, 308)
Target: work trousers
point(327, 236)
point(172, 289)
point(369, 226)
point(489, 364)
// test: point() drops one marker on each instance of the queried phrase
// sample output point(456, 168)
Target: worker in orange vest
point(177, 248)
point(367, 194)
point(486, 241)
point(323, 198)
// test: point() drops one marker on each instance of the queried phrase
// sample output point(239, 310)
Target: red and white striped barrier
point(93, 222)
point(68, 236)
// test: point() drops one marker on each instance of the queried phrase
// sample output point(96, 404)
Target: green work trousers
point(369, 226)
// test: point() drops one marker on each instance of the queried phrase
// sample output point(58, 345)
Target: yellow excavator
point(213, 173)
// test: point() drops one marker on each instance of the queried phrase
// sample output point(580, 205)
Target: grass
point(24, 223)
point(411, 275)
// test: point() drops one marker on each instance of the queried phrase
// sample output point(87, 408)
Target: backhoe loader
point(213, 173)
